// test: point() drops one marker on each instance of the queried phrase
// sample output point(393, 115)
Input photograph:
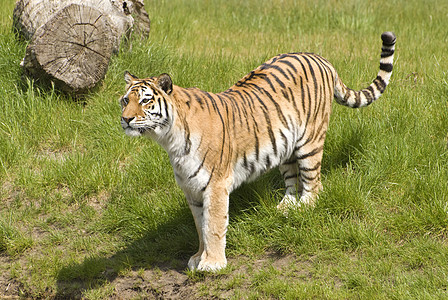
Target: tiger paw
point(198, 263)
point(288, 202)
point(308, 198)
point(194, 261)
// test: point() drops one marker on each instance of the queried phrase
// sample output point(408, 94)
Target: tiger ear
point(129, 78)
point(165, 83)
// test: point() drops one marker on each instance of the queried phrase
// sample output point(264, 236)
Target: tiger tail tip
point(389, 38)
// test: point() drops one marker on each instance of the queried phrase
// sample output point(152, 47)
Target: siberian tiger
point(277, 115)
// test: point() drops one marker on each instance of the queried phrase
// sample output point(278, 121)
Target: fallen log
point(71, 41)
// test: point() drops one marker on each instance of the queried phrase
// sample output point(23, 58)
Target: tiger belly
point(250, 166)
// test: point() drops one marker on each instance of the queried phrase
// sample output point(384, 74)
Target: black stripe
point(313, 75)
point(386, 67)
point(285, 139)
point(229, 111)
point(278, 80)
point(308, 178)
point(244, 110)
point(370, 88)
point(275, 67)
point(223, 130)
point(293, 77)
point(267, 162)
point(288, 63)
point(323, 61)
point(166, 107)
point(380, 84)
point(297, 57)
point(294, 102)
point(369, 93)
point(212, 100)
point(290, 162)
point(387, 52)
point(266, 115)
point(257, 147)
point(188, 141)
point(251, 104)
point(308, 111)
point(266, 78)
point(357, 99)
point(199, 100)
point(199, 168)
point(245, 165)
point(368, 96)
point(290, 176)
point(317, 166)
point(272, 137)
point(322, 87)
point(277, 106)
point(311, 153)
point(252, 167)
point(209, 179)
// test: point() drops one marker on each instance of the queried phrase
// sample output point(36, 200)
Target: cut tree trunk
point(72, 40)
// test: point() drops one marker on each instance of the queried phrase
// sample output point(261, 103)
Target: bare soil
point(161, 282)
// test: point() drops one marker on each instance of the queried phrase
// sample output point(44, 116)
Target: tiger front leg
point(213, 221)
point(197, 212)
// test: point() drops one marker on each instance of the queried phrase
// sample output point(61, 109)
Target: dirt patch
point(166, 283)
point(9, 288)
point(175, 284)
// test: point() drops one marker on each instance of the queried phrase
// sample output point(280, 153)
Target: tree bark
point(72, 40)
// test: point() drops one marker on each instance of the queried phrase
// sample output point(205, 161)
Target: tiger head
point(145, 108)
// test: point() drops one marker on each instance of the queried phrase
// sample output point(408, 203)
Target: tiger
point(276, 115)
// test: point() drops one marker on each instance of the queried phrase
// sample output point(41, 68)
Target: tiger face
point(145, 108)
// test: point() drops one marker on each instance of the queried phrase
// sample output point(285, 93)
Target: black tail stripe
point(380, 84)
point(386, 67)
point(387, 52)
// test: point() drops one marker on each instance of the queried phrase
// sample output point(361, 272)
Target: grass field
point(87, 212)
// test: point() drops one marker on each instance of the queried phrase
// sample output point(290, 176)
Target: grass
point(86, 211)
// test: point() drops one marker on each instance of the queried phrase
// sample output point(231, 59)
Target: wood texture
point(72, 40)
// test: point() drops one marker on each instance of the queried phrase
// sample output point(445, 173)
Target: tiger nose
point(127, 120)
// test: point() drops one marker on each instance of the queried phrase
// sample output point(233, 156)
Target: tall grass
point(82, 204)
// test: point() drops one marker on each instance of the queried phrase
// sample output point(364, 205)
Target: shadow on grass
point(340, 152)
point(169, 246)
point(166, 248)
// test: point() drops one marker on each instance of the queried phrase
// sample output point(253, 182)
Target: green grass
point(85, 209)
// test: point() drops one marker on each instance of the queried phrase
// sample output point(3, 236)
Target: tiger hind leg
point(293, 184)
point(302, 178)
point(309, 162)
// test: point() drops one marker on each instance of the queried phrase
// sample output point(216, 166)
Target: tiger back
point(277, 115)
